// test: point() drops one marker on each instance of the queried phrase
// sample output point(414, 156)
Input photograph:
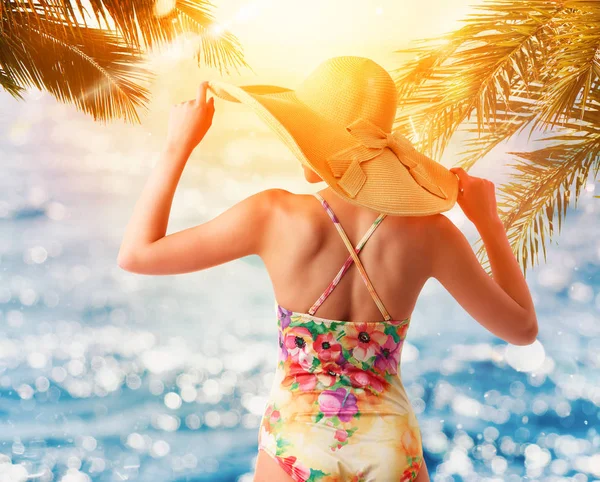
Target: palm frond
point(91, 52)
point(143, 26)
point(91, 68)
point(430, 55)
point(10, 85)
point(541, 191)
point(219, 51)
point(509, 121)
point(491, 55)
point(573, 69)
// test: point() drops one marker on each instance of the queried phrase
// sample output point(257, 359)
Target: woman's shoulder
point(284, 199)
point(432, 226)
point(273, 198)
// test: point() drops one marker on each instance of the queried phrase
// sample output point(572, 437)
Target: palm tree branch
point(509, 121)
point(574, 64)
point(140, 23)
point(479, 72)
point(92, 69)
point(215, 49)
point(10, 85)
point(540, 191)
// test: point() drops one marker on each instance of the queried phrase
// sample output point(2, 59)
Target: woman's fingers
point(460, 172)
point(201, 93)
point(200, 99)
point(462, 176)
point(190, 120)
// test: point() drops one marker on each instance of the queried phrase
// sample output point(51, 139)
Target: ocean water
point(111, 376)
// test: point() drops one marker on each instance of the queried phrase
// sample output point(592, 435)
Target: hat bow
point(346, 164)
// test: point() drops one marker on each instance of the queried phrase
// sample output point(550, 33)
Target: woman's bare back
point(307, 252)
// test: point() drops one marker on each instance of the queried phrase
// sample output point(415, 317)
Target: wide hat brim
point(389, 187)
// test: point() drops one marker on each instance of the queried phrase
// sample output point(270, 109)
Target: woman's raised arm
point(235, 233)
point(501, 303)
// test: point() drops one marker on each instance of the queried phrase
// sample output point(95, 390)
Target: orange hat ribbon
point(347, 163)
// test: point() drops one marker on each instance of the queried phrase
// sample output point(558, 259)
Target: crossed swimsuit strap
point(352, 258)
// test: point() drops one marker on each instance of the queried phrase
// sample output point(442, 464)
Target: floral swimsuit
point(338, 410)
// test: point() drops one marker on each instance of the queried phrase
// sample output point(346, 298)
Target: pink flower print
point(306, 380)
point(359, 477)
point(327, 347)
point(388, 358)
point(292, 466)
point(364, 379)
point(285, 316)
point(268, 410)
point(297, 341)
point(341, 435)
point(329, 374)
point(338, 402)
point(365, 339)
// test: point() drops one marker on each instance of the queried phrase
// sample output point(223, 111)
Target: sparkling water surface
point(110, 376)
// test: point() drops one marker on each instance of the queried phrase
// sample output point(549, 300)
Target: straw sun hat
point(338, 122)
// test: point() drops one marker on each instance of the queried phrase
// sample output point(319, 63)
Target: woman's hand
point(476, 197)
point(189, 121)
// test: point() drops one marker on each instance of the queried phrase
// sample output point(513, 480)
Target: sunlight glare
point(181, 47)
point(526, 358)
point(217, 30)
point(246, 12)
point(163, 7)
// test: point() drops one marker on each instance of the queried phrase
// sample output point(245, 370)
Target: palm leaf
point(573, 71)
point(215, 51)
point(489, 59)
point(143, 26)
point(541, 191)
point(10, 85)
point(91, 68)
point(509, 121)
point(90, 53)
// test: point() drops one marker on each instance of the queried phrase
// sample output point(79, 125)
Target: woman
point(337, 410)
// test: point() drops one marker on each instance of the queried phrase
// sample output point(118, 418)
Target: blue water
point(107, 375)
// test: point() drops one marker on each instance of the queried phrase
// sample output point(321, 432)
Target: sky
point(285, 39)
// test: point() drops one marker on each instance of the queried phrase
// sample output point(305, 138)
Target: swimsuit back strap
point(352, 258)
point(344, 267)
